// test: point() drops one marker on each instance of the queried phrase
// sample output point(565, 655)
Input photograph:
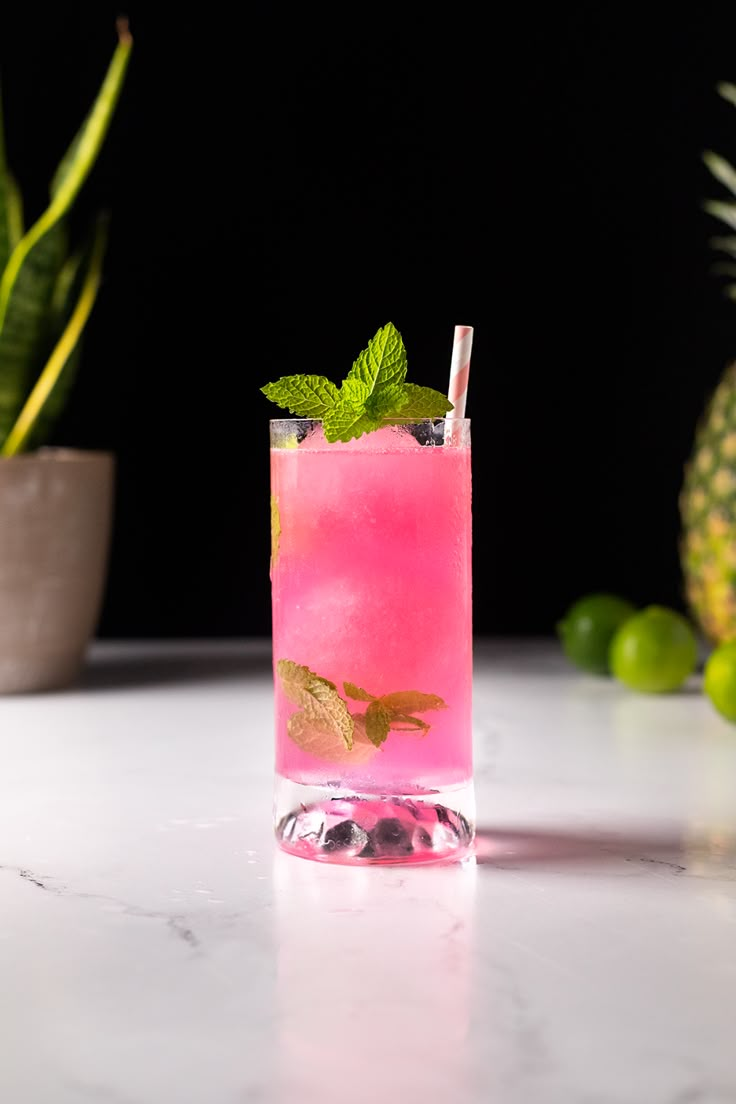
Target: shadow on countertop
point(121, 667)
point(521, 848)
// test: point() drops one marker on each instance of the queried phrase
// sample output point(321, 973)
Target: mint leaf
point(377, 723)
point(404, 722)
point(422, 402)
point(399, 709)
point(275, 530)
point(357, 692)
point(324, 742)
point(354, 392)
point(319, 699)
point(387, 401)
point(348, 417)
point(373, 388)
point(412, 701)
point(383, 362)
point(373, 394)
point(325, 707)
point(305, 396)
point(324, 726)
point(347, 420)
point(295, 679)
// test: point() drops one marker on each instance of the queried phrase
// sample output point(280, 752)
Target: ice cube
point(387, 439)
point(345, 836)
point(390, 838)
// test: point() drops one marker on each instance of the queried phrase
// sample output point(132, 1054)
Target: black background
point(282, 183)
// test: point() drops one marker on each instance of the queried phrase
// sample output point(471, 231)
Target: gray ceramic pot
point(55, 522)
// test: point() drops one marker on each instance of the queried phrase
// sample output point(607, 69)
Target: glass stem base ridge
point(330, 824)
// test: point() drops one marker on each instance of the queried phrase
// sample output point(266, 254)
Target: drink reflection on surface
point(710, 833)
point(374, 980)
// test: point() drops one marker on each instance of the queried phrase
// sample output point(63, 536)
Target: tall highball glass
point(372, 642)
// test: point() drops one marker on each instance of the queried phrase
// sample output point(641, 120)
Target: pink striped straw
point(459, 372)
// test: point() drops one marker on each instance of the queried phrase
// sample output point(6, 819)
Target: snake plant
point(47, 290)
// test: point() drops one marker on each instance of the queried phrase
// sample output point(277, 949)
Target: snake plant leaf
point(14, 201)
point(67, 290)
point(23, 332)
point(67, 164)
point(27, 283)
point(48, 397)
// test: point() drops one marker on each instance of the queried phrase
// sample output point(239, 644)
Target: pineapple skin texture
point(708, 513)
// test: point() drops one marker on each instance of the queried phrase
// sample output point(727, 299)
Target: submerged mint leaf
point(383, 362)
point(412, 701)
point(320, 702)
point(322, 741)
point(305, 396)
point(377, 723)
point(401, 706)
point(275, 530)
point(404, 722)
point(357, 692)
point(296, 680)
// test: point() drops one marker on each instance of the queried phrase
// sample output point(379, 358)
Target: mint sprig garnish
point(305, 396)
point(374, 392)
point(423, 402)
point(383, 363)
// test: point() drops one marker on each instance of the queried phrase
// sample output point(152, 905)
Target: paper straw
point(459, 372)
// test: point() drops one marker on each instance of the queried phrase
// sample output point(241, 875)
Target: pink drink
point(371, 584)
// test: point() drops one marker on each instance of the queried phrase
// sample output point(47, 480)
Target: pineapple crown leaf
point(722, 210)
point(727, 91)
point(721, 169)
point(725, 173)
point(723, 268)
point(724, 245)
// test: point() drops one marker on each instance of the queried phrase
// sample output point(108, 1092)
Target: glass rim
point(387, 425)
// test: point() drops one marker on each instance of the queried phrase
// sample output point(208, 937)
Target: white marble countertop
point(156, 949)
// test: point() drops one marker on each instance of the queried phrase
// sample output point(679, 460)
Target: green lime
point(719, 682)
point(588, 627)
point(654, 651)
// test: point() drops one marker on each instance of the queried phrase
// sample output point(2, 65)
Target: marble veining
point(156, 949)
point(176, 924)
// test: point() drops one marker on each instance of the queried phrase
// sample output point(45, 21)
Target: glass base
point(330, 825)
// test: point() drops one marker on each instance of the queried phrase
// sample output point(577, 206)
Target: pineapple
point(708, 499)
point(708, 509)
